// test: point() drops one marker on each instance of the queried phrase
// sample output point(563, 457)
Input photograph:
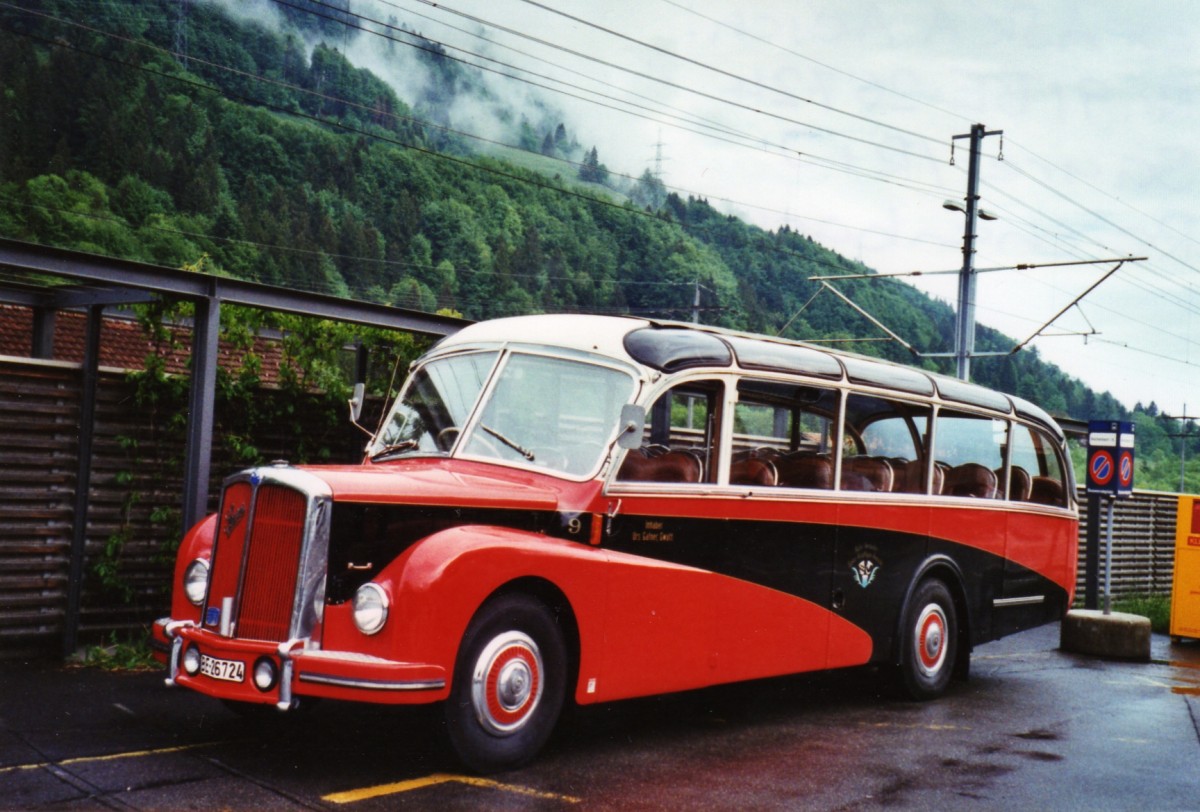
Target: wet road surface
point(1033, 728)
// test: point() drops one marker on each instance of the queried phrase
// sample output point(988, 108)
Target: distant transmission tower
point(658, 158)
point(181, 29)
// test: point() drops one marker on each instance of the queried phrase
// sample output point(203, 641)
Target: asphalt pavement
point(1034, 728)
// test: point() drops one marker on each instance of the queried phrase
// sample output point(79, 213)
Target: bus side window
point(1034, 455)
point(681, 443)
point(783, 435)
point(970, 450)
point(883, 446)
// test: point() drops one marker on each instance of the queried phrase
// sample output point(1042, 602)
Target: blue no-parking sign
point(1110, 457)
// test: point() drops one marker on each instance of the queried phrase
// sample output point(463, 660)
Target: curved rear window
point(888, 376)
point(971, 394)
point(671, 348)
point(768, 355)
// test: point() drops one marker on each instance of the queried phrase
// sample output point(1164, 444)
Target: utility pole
point(964, 324)
point(180, 34)
point(1185, 420)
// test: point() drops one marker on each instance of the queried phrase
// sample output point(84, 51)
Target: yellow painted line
point(351, 796)
point(937, 728)
point(110, 757)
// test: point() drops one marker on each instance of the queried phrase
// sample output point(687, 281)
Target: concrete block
point(1117, 636)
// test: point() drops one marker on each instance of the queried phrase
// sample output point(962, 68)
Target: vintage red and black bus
point(578, 508)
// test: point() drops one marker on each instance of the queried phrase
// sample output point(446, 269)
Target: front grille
point(266, 559)
point(272, 561)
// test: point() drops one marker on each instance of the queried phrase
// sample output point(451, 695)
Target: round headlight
point(195, 581)
point(370, 608)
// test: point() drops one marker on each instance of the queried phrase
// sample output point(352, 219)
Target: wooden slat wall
point(1143, 544)
point(39, 410)
point(39, 438)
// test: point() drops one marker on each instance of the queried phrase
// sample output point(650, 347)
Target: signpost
point(1109, 477)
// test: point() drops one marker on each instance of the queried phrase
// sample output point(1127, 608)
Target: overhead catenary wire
point(730, 74)
point(667, 83)
point(369, 134)
point(1149, 277)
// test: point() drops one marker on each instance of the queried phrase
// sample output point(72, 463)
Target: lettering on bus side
point(653, 530)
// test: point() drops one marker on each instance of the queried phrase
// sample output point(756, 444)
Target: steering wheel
point(450, 432)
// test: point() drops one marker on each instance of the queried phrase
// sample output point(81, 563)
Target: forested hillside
point(175, 134)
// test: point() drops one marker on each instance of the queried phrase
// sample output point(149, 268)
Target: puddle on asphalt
point(1190, 677)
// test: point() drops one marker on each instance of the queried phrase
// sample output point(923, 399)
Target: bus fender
point(440, 583)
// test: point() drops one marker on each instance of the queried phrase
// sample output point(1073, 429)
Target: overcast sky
point(1097, 101)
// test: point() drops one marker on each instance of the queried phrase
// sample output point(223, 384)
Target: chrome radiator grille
point(272, 561)
point(268, 555)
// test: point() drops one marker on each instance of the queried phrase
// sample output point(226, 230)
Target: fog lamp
point(265, 674)
point(191, 661)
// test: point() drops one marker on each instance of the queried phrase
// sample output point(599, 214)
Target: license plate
point(228, 670)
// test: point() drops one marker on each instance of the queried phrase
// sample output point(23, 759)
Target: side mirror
point(633, 426)
point(356, 404)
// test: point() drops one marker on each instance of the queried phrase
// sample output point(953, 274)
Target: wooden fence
point(133, 502)
point(135, 491)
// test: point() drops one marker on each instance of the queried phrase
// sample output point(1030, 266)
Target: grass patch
point(1155, 607)
point(131, 654)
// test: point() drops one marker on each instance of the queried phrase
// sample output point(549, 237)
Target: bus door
point(1034, 556)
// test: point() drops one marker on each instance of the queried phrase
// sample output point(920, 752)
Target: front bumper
point(302, 671)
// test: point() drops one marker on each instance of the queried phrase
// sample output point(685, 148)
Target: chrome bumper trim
point(1031, 600)
point(373, 685)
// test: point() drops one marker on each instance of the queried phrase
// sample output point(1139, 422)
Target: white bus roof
point(668, 346)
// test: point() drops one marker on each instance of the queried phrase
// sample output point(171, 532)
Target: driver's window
point(436, 403)
point(550, 413)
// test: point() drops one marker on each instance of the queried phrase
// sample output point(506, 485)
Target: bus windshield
point(541, 411)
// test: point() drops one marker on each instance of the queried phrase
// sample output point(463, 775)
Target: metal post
point(964, 322)
point(42, 345)
point(1110, 505)
point(198, 465)
point(1183, 453)
point(83, 478)
point(1091, 563)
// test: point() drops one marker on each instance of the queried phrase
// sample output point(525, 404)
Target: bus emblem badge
point(233, 517)
point(864, 570)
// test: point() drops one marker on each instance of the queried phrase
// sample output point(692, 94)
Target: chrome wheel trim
point(930, 641)
point(507, 683)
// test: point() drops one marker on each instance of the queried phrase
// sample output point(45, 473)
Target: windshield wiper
point(394, 448)
point(515, 446)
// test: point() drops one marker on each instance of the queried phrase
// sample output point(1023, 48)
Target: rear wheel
point(509, 684)
point(929, 642)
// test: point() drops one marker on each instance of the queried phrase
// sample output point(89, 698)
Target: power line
point(675, 85)
point(817, 62)
point(469, 135)
point(730, 74)
point(414, 147)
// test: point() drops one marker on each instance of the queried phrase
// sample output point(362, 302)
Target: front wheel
point(929, 641)
point(509, 684)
